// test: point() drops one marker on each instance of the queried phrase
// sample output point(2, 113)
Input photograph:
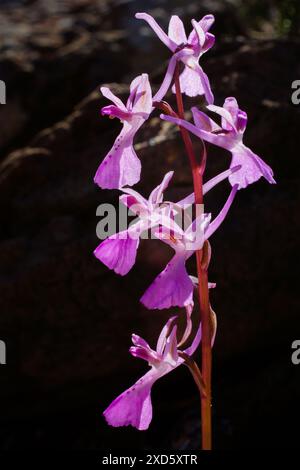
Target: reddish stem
point(197, 172)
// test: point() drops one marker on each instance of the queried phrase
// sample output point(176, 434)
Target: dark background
point(65, 317)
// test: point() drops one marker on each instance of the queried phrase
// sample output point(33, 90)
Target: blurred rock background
point(66, 319)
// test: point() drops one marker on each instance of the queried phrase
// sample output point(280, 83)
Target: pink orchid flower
point(121, 166)
point(230, 137)
point(118, 252)
point(134, 407)
point(193, 80)
point(173, 286)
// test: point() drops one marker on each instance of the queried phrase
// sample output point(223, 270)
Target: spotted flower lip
point(193, 80)
point(121, 166)
point(230, 137)
point(134, 407)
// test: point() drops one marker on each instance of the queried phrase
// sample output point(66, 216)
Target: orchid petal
point(242, 119)
point(187, 201)
point(214, 325)
point(227, 117)
point(199, 31)
point(206, 22)
point(252, 168)
point(142, 99)
point(139, 341)
point(176, 30)
point(190, 83)
point(230, 105)
point(217, 179)
point(171, 288)
point(203, 121)
point(170, 354)
point(189, 324)
point(133, 407)
point(115, 111)
point(158, 30)
point(146, 354)
point(210, 40)
point(139, 198)
point(161, 342)
point(195, 234)
point(118, 252)
point(121, 166)
point(110, 96)
point(196, 341)
point(205, 25)
point(224, 141)
point(132, 204)
point(170, 236)
point(156, 195)
point(167, 80)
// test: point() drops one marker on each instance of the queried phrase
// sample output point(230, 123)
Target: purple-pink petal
point(205, 84)
point(110, 96)
point(172, 287)
point(133, 407)
point(115, 111)
point(215, 224)
point(161, 342)
point(142, 96)
point(170, 354)
point(158, 30)
point(228, 120)
point(118, 252)
point(145, 353)
point(167, 80)
point(139, 341)
point(190, 199)
point(231, 105)
point(176, 30)
point(200, 33)
point(210, 40)
point(242, 119)
point(203, 121)
point(206, 22)
point(252, 168)
point(156, 195)
point(225, 141)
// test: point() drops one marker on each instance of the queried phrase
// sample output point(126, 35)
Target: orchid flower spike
point(173, 286)
point(121, 166)
point(230, 137)
point(193, 80)
point(133, 407)
point(118, 252)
